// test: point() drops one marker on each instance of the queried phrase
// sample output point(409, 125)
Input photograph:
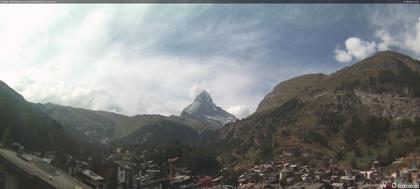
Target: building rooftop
point(307, 185)
point(122, 164)
point(92, 175)
point(40, 169)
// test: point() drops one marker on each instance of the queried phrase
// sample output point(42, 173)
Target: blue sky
point(137, 59)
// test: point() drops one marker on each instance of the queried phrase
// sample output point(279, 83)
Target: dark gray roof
point(45, 172)
point(123, 164)
point(92, 175)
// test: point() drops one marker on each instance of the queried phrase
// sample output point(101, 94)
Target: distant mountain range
point(367, 111)
point(103, 126)
point(97, 125)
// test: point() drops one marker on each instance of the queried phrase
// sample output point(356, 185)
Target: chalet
point(21, 171)
point(284, 173)
point(49, 155)
point(124, 174)
point(338, 185)
point(75, 167)
point(349, 180)
point(92, 179)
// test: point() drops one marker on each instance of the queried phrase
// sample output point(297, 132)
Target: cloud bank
point(358, 49)
point(355, 48)
point(240, 111)
point(114, 58)
point(154, 59)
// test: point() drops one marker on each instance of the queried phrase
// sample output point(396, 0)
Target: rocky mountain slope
point(22, 122)
point(161, 133)
point(359, 113)
point(204, 110)
point(98, 125)
point(289, 89)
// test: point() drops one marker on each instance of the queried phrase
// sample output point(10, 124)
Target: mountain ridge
point(204, 110)
point(356, 110)
point(107, 126)
point(24, 123)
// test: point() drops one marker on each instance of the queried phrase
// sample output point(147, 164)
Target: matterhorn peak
point(205, 110)
point(204, 96)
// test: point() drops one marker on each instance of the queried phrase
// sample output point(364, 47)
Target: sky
point(155, 58)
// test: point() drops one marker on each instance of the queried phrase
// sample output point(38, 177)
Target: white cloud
point(342, 56)
point(360, 49)
point(412, 39)
point(197, 88)
point(407, 40)
point(239, 111)
point(386, 40)
point(355, 48)
point(81, 56)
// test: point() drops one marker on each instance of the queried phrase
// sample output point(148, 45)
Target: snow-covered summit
point(204, 110)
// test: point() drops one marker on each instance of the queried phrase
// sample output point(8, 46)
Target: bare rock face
point(204, 110)
point(322, 114)
point(390, 105)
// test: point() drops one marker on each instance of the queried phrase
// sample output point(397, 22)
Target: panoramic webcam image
point(209, 96)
